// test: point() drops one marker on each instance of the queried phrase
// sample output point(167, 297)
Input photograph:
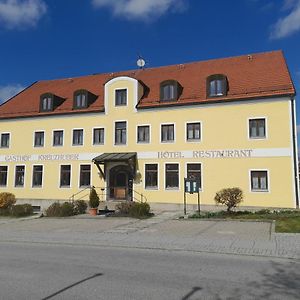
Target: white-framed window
point(151, 176)
point(143, 134)
point(5, 137)
point(171, 176)
point(37, 176)
point(259, 180)
point(19, 176)
point(98, 136)
point(3, 176)
point(193, 131)
point(77, 137)
point(39, 139)
point(85, 176)
point(193, 171)
point(167, 133)
point(121, 97)
point(120, 133)
point(58, 138)
point(65, 176)
point(257, 128)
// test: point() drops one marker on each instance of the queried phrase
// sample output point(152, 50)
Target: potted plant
point(93, 202)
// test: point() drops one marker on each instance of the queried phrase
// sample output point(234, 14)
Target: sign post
point(191, 186)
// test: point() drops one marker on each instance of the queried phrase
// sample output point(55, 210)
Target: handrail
point(72, 197)
point(140, 194)
point(139, 198)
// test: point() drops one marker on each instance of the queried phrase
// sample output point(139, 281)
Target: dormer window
point(217, 85)
point(46, 103)
point(169, 90)
point(80, 99)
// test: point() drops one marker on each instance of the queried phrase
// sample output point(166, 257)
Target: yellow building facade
point(127, 148)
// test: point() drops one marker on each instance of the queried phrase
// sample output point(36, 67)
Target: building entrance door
point(120, 183)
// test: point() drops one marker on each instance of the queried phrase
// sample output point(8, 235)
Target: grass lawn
point(286, 220)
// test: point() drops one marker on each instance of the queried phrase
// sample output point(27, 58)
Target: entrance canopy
point(107, 157)
point(104, 158)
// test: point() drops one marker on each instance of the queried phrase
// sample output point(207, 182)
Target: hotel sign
point(236, 153)
point(164, 155)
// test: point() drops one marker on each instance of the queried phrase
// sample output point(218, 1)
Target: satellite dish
point(141, 62)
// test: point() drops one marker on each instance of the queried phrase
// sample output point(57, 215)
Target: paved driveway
point(160, 232)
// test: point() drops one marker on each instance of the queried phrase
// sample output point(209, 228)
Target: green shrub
point(7, 200)
point(4, 212)
point(94, 198)
point(123, 208)
point(80, 207)
point(67, 209)
point(139, 210)
point(53, 210)
point(21, 210)
point(57, 209)
point(230, 197)
point(263, 212)
point(133, 209)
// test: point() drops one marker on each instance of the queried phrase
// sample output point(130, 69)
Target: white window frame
point(160, 133)
point(158, 177)
point(79, 167)
point(9, 143)
point(24, 185)
point(266, 128)
point(36, 131)
point(59, 176)
point(40, 186)
point(100, 127)
point(114, 133)
point(121, 105)
point(201, 164)
point(72, 136)
point(179, 183)
point(136, 132)
point(268, 190)
point(63, 137)
point(7, 177)
point(186, 135)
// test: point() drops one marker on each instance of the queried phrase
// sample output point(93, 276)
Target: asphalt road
point(59, 271)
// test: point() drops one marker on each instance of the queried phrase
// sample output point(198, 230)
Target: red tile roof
point(249, 76)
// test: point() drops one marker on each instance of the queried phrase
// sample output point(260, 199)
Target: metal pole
point(198, 202)
point(184, 203)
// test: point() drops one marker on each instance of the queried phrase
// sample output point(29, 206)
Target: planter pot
point(93, 211)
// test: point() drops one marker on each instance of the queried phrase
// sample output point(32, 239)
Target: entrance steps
point(111, 205)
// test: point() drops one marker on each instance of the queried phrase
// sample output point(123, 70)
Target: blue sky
point(47, 39)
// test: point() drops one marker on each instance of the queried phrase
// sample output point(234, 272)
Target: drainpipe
point(295, 151)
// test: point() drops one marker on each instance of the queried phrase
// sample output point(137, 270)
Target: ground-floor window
point(151, 176)
point(3, 175)
point(194, 172)
point(37, 176)
point(65, 175)
point(172, 176)
point(85, 175)
point(259, 181)
point(19, 176)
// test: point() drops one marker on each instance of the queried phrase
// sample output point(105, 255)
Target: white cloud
point(289, 24)
point(8, 91)
point(21, 13)
point(144, 10)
